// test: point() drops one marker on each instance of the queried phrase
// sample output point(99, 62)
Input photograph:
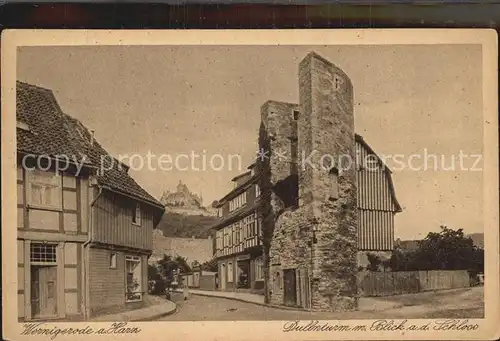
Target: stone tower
point(326, 129)
point(314, 243)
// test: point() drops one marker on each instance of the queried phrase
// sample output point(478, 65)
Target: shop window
point(133, 278)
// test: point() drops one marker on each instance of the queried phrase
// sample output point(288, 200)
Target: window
point(259, 269)
point(112, 260)
point(250, 225)
point(219, 212)
point(232, 238)
point(22, 125)
point(230, 272)
point(41, 253)
point(136, 215)
point(238, 202)
point(295, 115)
point(133, 278)
point(241, 230)
point(45, 189)
point(237, 231)
point(334, 184)
point(259, 227)
point(218, 242)
point(257, 191)
point(277, 282)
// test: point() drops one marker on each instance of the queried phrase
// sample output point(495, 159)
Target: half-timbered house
point(84, 225)
point(309, 197)
point(238, 232)
point(237, 246)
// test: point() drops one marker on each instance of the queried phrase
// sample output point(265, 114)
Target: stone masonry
point(317, 236)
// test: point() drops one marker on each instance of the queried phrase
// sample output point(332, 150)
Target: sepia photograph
point(320, 187)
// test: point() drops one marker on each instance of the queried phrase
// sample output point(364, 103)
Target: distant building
point(183, 201)
point(325, 221)
point(408, 245)
point(83, 238)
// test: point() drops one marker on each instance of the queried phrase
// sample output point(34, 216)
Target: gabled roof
point(359, 139)
point(52, 132)
point(236, 191)
point(37, 109)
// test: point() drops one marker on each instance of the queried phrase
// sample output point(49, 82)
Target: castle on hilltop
point(183, 201)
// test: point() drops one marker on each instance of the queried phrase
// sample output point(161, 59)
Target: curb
point(157, 316)
point(251, 302)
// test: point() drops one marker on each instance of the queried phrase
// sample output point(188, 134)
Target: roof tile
point(54, 133)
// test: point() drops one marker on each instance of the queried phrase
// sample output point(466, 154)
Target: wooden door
point(290, 289)
point(44, 291)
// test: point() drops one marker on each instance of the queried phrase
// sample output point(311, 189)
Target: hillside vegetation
point(186, 226)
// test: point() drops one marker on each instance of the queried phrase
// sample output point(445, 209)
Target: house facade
point(84, 231)
point(326, 220)
point(238, 247)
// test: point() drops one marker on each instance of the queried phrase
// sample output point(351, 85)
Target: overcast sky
point(206, 99)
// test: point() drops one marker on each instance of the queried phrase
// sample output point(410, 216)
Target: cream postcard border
point(489, 328)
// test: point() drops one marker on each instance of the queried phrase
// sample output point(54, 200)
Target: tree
point(266, 212)
point(153, 272)
point(169, 266)
point(211, 265)
point(374, 262)
point(445, 250)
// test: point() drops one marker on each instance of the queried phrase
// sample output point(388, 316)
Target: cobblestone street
point(467, 304)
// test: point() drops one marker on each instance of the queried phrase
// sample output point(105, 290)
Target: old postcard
point(249, 185)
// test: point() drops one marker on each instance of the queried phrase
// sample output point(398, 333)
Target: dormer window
point(22, 125)
point(136, 215)
point(238, 202)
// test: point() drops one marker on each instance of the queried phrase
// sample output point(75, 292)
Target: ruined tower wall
point(277, 118)
point(326, 101)
point(320, 235)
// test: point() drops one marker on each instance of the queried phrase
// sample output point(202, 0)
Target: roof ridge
point(97, 148)
point(18, 82)
point(57, 136)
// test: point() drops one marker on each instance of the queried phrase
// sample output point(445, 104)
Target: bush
point(157, 287)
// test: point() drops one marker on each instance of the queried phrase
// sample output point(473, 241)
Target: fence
point(407, 282)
